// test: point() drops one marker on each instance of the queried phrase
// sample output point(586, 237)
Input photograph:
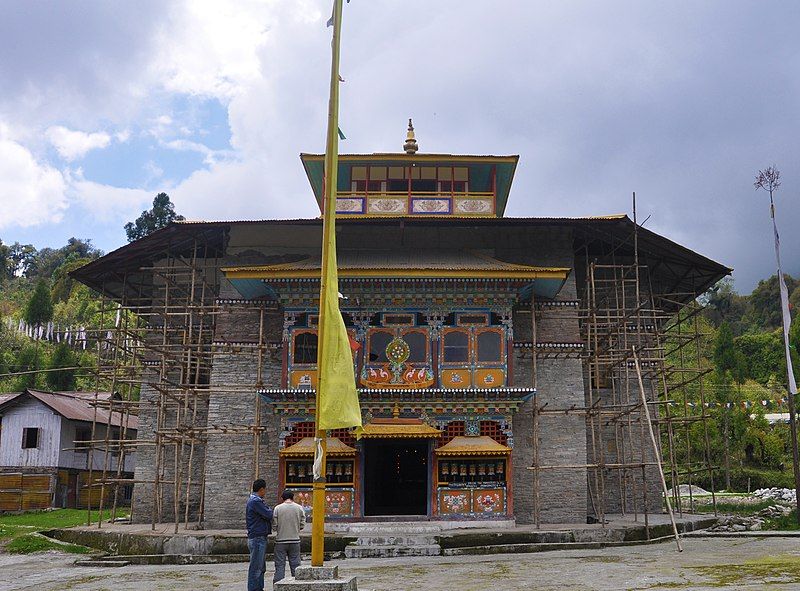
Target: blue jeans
point(282, 551)
point(258, 563)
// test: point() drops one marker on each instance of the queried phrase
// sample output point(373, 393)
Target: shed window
point(305, 348)
point(30, 437)
point(82, 438)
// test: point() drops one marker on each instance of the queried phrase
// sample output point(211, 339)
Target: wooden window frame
point(25, 431)
point(295, 333)
point(399, 331)
point(456, 329)
point(478, 330)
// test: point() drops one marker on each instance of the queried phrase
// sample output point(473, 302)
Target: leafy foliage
point(39, 310)
point(62, 357)
point(35, 286)
point(161, 214)
point(28, 360)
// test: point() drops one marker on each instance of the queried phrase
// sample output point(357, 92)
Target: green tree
point(764, 311)
point(63, 284)
point(39, 310)
point(726, 364)
point(722, 303)
point(6, 264)
point(763, 353)
point(28, 360)
point(23, 259)
point(62, 357)
point(724, 351)
point(162, 213)
point(48, 260)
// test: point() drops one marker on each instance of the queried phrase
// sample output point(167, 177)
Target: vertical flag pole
point(328, 237)
point(769, 180)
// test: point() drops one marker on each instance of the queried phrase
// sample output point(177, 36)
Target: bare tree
point(769, 180)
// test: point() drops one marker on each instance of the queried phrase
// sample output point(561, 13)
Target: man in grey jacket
point(288, 519)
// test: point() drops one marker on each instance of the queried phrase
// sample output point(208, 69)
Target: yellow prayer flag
point(338, 397)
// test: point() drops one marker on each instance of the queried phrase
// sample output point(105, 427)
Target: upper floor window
point(456, 346)
point(473, 345)
point(305, 348)
point(379, 338)
point(83, 436)
point(378, 341)
point(490, 346)
point(414, 179)
point(30, 437)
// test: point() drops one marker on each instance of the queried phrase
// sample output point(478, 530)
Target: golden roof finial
point(411, 143)
point(396, 411)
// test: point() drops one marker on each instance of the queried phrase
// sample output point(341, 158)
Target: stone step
point(103, 563)
point(392, 528)
point(383, 539)
point(356, 551)
point(292, 584)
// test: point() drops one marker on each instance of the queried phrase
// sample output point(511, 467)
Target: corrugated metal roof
point(685, 271)
point(8, 396)
point(407, 259)
point(412, 218)
point(411, 157)
point(77, 406)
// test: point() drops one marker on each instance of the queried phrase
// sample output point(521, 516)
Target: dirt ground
point(744, 563)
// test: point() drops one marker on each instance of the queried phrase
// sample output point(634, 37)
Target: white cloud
point(72, 145)
point(106, 203)
point(209, 47)
point(31, 193)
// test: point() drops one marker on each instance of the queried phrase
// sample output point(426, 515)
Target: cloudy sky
point(103, 104)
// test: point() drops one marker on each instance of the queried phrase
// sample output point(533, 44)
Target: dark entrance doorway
point(396, 477)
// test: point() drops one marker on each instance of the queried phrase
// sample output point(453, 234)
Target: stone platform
point(139, 543)
point(317, 578)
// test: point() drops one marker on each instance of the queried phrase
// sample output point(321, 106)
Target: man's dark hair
point(287, 494)
point(259, 484)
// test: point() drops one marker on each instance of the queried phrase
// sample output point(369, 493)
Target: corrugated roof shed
point(76, 406)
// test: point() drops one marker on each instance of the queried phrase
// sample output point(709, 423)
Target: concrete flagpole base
point(316, 578)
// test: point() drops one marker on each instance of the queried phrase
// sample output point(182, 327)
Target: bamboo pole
point(655, 451)
point(328, 236)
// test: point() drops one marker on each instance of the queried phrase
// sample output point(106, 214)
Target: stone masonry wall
point(231, 463)
point(625, 443)
point(145, 495)
point(561, 437)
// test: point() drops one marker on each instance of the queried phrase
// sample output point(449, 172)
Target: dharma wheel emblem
point(398, 351)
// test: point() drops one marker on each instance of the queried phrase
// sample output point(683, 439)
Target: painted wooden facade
point(431, 332)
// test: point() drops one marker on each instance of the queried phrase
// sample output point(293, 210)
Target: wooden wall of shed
point(25, 492)
point(30, 414)
point(78, 459)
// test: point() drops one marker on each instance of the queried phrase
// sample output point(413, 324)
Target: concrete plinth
point(316, 578)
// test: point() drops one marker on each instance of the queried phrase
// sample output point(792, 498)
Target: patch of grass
point(735, 508)
point(8, 531)
point(55, 518)
point(501, 570)
point(787, 522)
point(35, 542)
point(769, 570)
point(20, 533)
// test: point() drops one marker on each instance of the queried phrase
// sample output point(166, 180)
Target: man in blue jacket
point(259, 526)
